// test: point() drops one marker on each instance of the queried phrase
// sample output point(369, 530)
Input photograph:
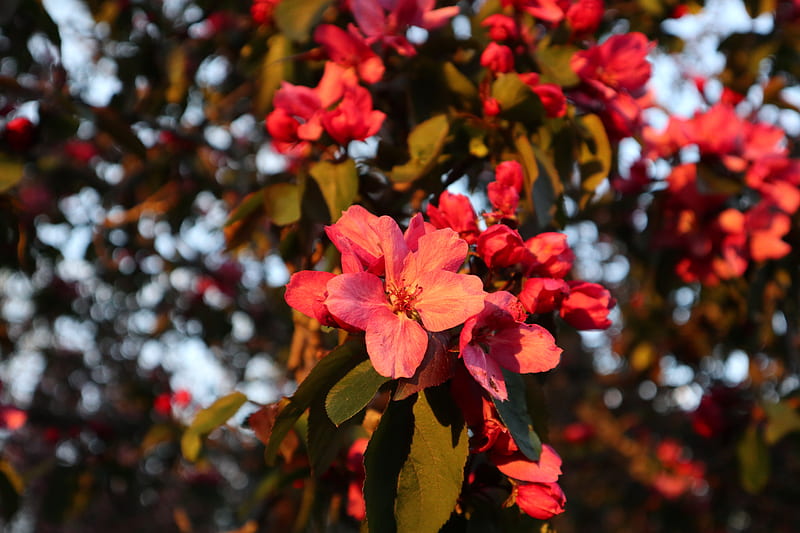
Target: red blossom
point(12, 418)
point(587, 306)
point(498, 338)
point(350, 50)
point(550, 11)
point(543, 295)
point(552, 256)
point(540, 500)
point(584, 16)
point(455, 211)
point(498, 58)
point(353, 119)
point(504, 192)
point(421, 293)
point(501, 27)
point(356, 506)
point(618, 64)
point(19, 134)
point(262, 11)
point(387, 21)
point(500, 246)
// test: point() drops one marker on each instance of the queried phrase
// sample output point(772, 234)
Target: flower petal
point(485, 371)
point(306, 293)
point(517, 466)
point(356, 298)
point(396, 344)
point(448, 299)
point(524, 349)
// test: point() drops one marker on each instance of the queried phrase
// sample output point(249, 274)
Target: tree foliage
point(403, 265)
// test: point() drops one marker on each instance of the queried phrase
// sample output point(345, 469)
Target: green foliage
point(514, 413)
point(754, 461)
point(332, 368)
point(353, 392)
point(430, 480)
point(425, 144)
point(208, 420)
point(338, 183)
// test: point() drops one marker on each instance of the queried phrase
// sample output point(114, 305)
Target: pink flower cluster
point(709, 213)
point(419, 302)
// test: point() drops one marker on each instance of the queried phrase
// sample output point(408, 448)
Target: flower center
point(402, 298)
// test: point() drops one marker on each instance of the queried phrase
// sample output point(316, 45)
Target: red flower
point(350, 50)
point(504, 191)
point(19, 134)
point(501, 27)
point(12, 418)
point(421, 293)
point(619, 63)
point(550, 11)
point(540, 500)
point(584, 16)
point(389, 28)
point(498, 338)
point(356, 506)
point(500, 246)
point(543, 295)
point(262, 10)
point(353, 119)
point(498, 58)
point(552, 256)
point(455, 211)
point(587, 306)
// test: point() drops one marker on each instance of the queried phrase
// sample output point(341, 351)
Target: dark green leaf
point(353, 392)
point(594, 160)
point(554, 60)
point(282, 203)
point(329, 370)
point(431, 478)
point(296, 19)
point(425, 143)
point(338, 183)
point(324, 438)
point(514, 413)
point(387, 451)
point(274, 68)
point(250, 204)
point(458, 83)
point(782, 419)
point(754, 464)
point(209, 419)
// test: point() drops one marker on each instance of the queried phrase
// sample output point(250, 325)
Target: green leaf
point(324, 438)
point(329, 370)
point(249, 205)
point(282, 203)
point(511, 91)
point(274, 68)
point(11, 172)
point(514, 413)
point(338, 183)
point(353, 392)
point(296, 19)
point(554, 63)
point(386, 452)
point(754, 464)
point(431, 478)
point(782, 419)
point(425, 144)
point(527, 158)
point(458, 83)
point(594, 160)
point(207, 420)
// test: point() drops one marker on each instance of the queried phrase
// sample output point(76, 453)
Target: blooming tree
point(398, 265)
